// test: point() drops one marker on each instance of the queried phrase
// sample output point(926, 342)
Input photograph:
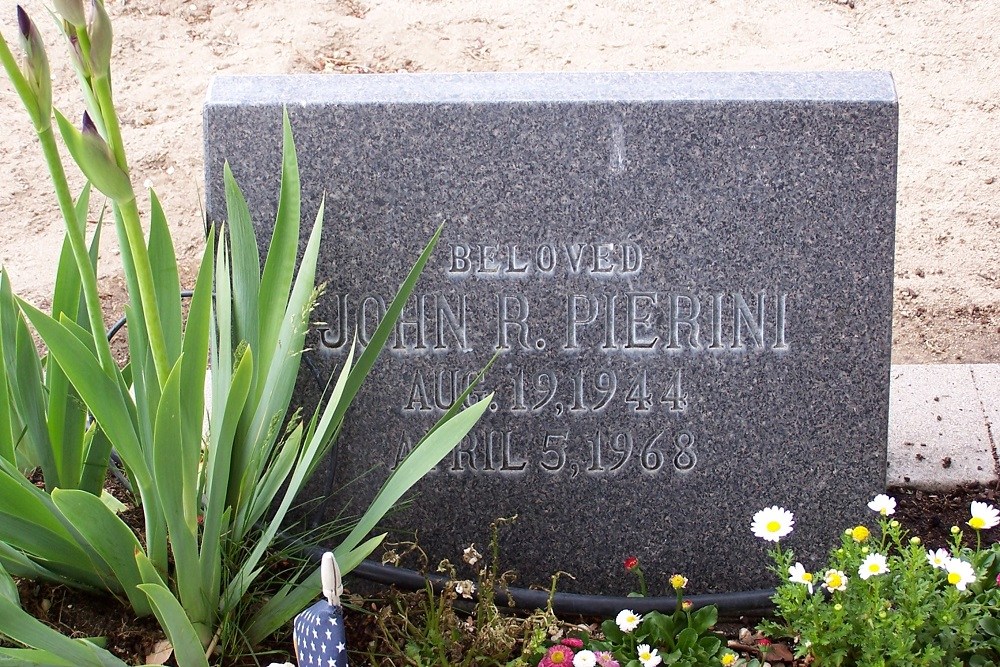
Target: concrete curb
point(944, 423)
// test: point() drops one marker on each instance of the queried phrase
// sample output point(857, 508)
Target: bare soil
point(942, 54)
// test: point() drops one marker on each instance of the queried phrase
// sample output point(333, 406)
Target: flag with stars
point(319, 635)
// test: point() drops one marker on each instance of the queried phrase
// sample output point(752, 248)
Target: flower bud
point(915, 540)
point(954, 530)
point(631, 563)
point(94, 158)
point(76, 51)
point(101, 39)
point(36, 66)
point(686, 605)
point(71, 10)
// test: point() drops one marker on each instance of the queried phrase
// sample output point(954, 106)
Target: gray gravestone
point(690, 277)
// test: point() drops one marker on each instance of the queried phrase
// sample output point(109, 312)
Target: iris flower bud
point(101, 39)
point(72, 11)
point(36, 65)
point(92, 154)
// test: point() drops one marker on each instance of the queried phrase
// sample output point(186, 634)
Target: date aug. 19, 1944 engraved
point(552, 392)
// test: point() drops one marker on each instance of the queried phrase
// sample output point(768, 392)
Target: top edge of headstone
point(437, 88)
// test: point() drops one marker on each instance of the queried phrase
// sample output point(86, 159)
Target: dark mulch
point(927, 514)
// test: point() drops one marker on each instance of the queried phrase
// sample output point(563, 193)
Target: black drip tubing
point(740, 602)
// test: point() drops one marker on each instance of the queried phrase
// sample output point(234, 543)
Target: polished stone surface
point(689, 277)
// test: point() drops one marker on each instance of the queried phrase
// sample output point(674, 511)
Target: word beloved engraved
point(600, 452)
point(517, 260)
point(547, 391)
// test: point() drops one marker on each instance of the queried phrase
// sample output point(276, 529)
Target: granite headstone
point(689, 277)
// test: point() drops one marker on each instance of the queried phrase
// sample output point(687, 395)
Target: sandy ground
point(943, 55)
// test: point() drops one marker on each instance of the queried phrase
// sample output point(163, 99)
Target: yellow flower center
point(728, 659)
point(645, 655)
point(807, 576)
point(834, 581)
point(773, 526)
point(954, 577)
point(977, 522)
point(859, 533)
point(874, 568)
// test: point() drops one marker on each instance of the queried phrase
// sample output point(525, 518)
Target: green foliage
point(911, 614)
point(213, 501)
point(683, 637)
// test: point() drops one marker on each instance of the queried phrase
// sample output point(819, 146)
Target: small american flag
point(319, 630)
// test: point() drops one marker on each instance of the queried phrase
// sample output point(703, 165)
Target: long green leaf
point(279, 382)
point(279, 267)
point(348, 553)
point(246, 264)
point(66, 414)
point(20, 626)
point(109, 537)
point(101, 393)
point(8, 417)
point(167, 285)
point(181, 632)
point(417, 464)
point(29, 397)
point(385, 328)
point(274, 384)
point(21, 657)
point(227, 416)
point(176, 474)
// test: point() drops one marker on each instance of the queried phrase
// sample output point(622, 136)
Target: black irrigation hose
point(741, 602)
point(564, 603)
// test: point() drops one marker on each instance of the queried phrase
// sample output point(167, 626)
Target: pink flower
point(572, 642)
point(556, 656)
point(998, 580)
point(605, 659)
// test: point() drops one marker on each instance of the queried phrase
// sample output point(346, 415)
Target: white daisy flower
point(874, 564)
point(772, 523)
point(883, 504)
point(984, 516)
point(585, 658)
point(834, 580)
point(960, 573)
point(939, 558)
point(628, 620)
point(648, 658)
point(797, 574)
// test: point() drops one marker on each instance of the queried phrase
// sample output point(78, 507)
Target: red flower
point(764, 641)
point(572, 642)
point(556, 656)
point(631, 563)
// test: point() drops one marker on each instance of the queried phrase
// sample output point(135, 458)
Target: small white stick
point(330, 573)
